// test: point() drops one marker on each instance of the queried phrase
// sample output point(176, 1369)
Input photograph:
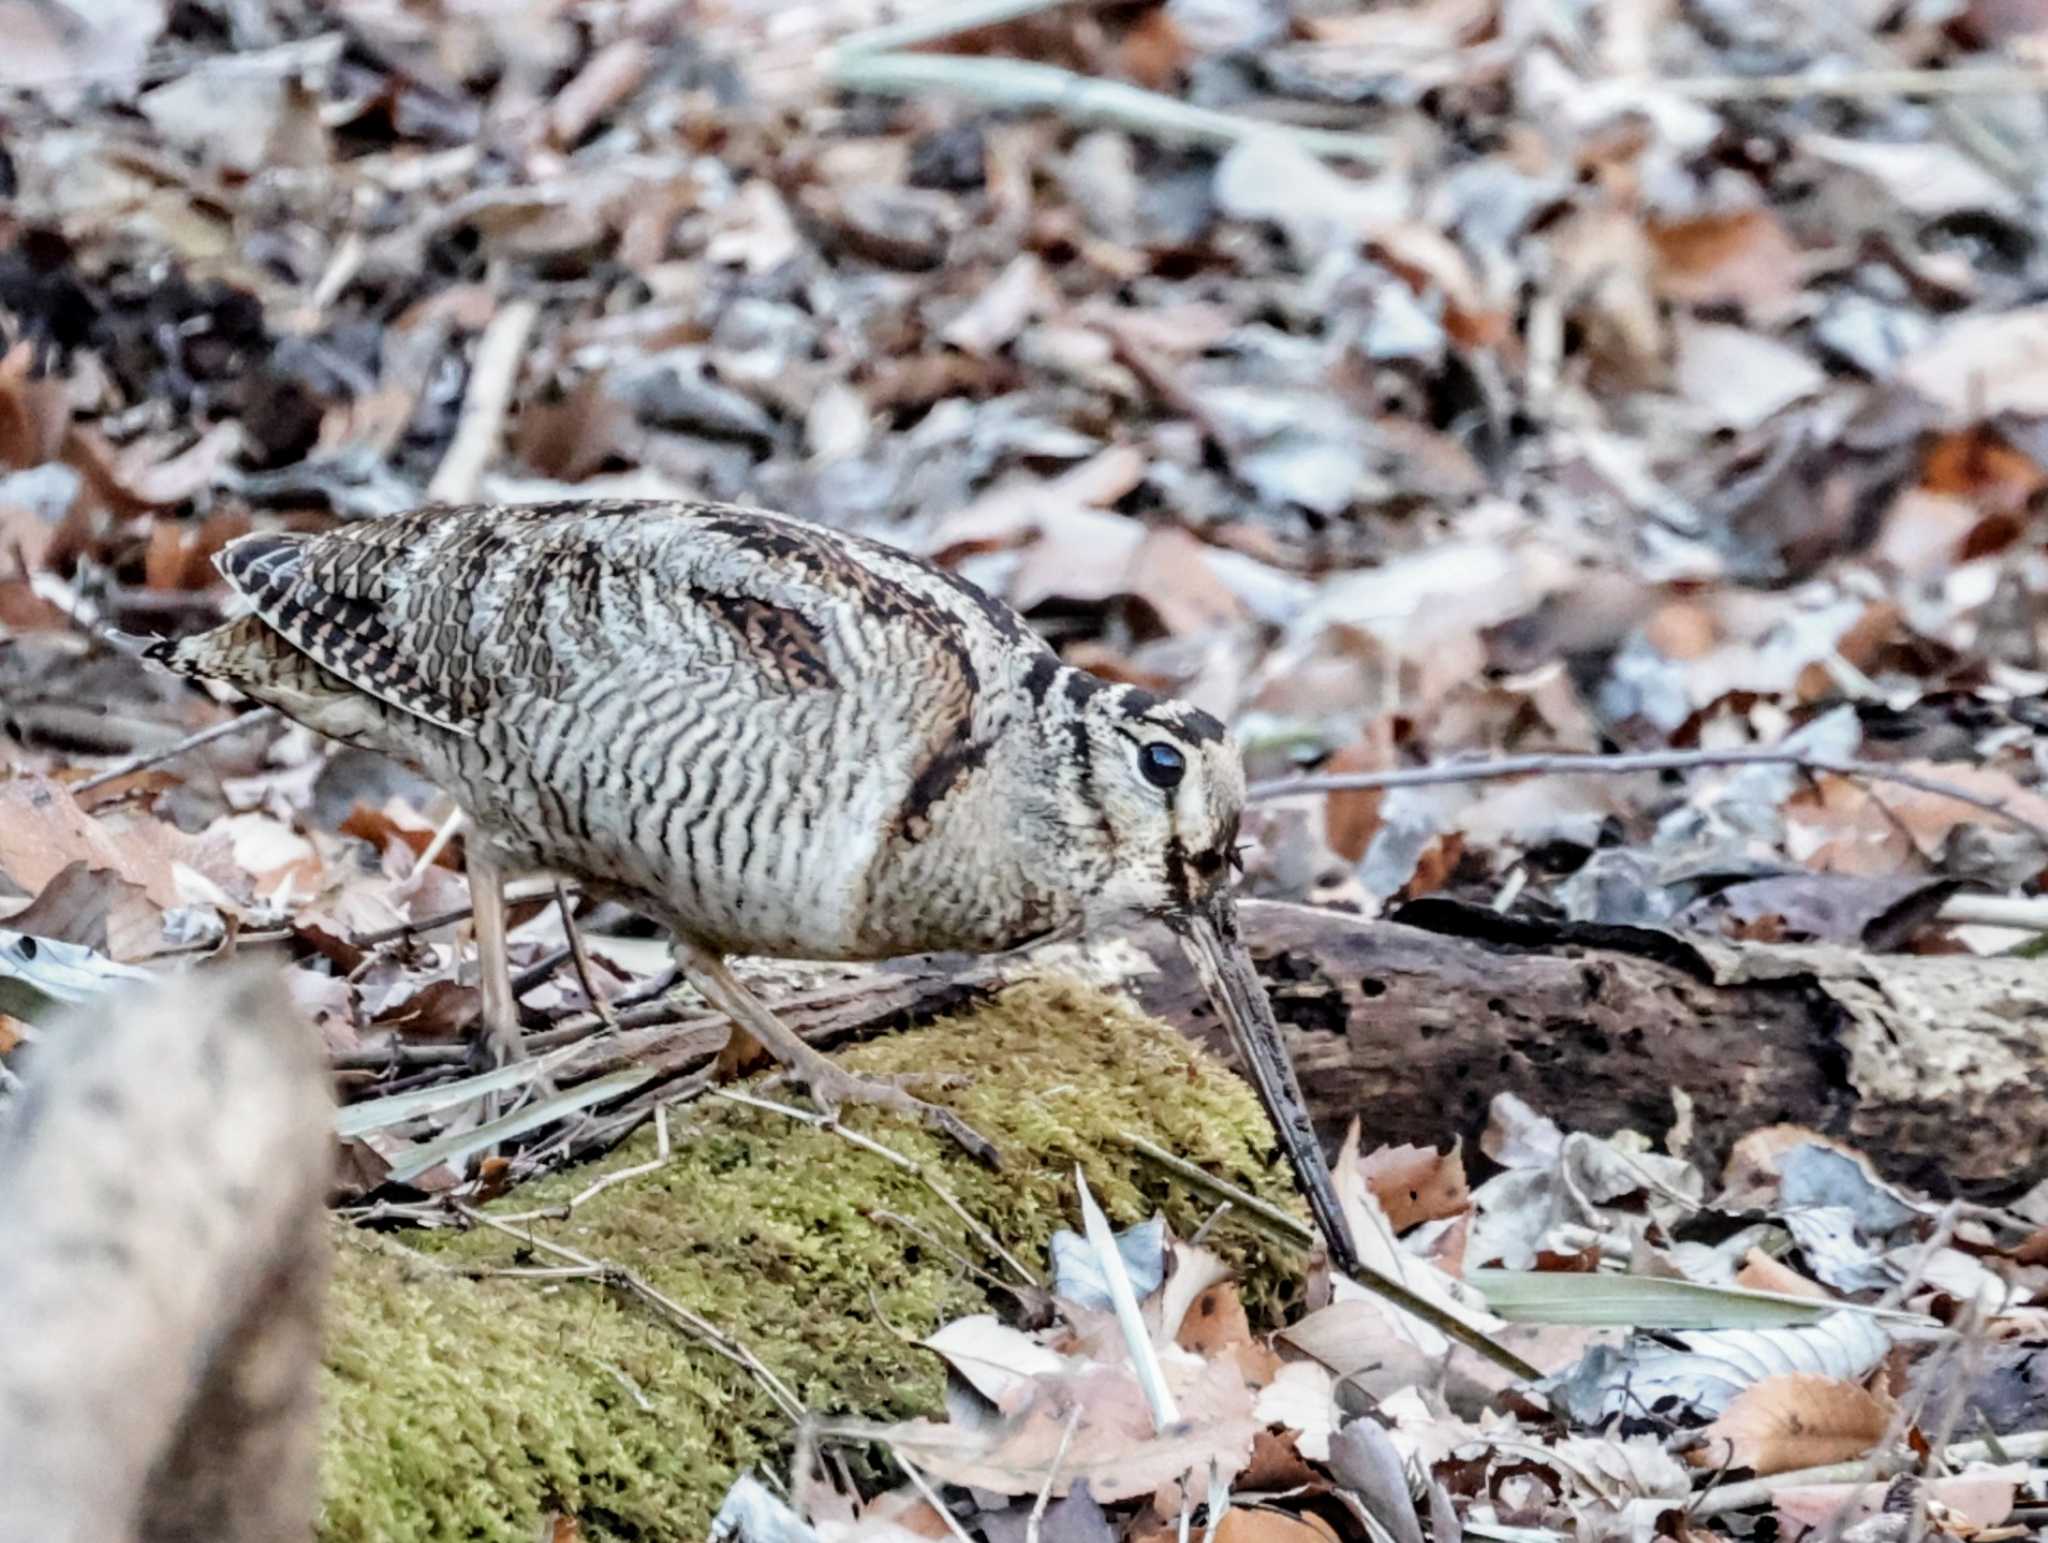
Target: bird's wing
point(442, 612)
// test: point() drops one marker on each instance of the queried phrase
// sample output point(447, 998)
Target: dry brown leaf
point(1975, 463)
point(607, 78)
point(1604, 266)
point(1000, 1362)
point(1263, 1524)
point(43, 831)
point(397, 825)
point(1794, 1420)
point(429, 1009)
point(1403, 31)
point(1359, 1342)
point(1746, 258)
point(1352, 818)
point(1739, 376)
point(1760, 1272)
point(1170, 573)
point(1276, 1464)
point(180, 555)
point(1003, 309)
point(95, 908)
point(1153, 53)
point(140, 478)
point(1930, 818)
point(1113, 1447)
point(1683, 629)
point(1749, 1178)
point(1417, 1184)
point(1837, 825)
point(34, 411)
point(1215, 1322)
point(1924, 533)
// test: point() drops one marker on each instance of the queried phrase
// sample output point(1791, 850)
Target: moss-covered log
point(467, 1406)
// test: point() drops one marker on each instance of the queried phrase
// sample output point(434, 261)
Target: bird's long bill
point(1214, 946)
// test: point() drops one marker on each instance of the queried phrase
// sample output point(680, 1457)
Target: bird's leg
point(828, 1083)
point(494, 958)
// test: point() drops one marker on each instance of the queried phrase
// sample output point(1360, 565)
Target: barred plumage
point(777, 738)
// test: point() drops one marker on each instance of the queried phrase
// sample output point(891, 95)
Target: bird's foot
point(831, 1085)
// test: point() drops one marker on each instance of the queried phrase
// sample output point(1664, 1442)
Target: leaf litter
point(1603, 393)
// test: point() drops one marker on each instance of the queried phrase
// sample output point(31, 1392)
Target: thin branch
point(1276, 1220)
point(515, 894)
point(663, 1153)
point(148, 758)
point(585, 976)
point(915, 1169)
point(499, 353)
point(1758, 1492)
point(1800, 85)
point(1018, 83)
point(1059, 1456)
point(2018, 913)
point(931, 1497)
point(1564, 765)
point(431, 853)
point(692, 1323)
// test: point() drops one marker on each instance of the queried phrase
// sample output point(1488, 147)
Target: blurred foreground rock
point(160, 1200)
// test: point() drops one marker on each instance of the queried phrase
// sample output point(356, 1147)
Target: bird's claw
point(831, 1086)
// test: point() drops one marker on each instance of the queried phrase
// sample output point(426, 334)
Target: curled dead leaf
point(1795, 1420)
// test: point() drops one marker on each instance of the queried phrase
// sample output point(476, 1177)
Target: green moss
point(468, 1408)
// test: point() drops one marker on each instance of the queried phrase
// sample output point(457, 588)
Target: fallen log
point(1936, 1066)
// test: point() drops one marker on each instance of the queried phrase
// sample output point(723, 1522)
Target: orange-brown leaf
point(1417, 1184)
point(1795, 1420)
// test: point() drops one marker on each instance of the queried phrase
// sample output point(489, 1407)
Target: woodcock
point(776, 738)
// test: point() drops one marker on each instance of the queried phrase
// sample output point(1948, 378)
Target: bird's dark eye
point(1162, 765)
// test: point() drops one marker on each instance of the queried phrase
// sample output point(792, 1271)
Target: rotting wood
point(1935, 1066)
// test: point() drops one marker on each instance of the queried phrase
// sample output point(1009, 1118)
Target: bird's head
point(1154, 789)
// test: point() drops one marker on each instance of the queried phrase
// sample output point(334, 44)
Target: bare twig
point(1800, 85)
point(585, 976)
point(931, 1497)
point(1967, 129)
point(499, 354)
point(148, 758)
point(662, 1155)
point(1757, 1492)
point(987, 1239)
point(691, 1323)
point(515, 894)
point(448, 830)
point(2020, 913)
point(1276, 1220)
point(1052, 1474)
point(1563, 765)
point(1018, 83)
